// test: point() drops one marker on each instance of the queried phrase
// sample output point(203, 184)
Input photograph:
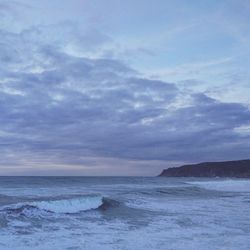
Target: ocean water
point(127, 213)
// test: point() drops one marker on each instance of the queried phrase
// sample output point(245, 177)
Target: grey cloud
point(66, 108)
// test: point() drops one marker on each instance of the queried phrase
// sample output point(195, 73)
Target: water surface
point(124, 213)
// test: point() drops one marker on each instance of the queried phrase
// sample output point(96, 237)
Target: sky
point(93, 87)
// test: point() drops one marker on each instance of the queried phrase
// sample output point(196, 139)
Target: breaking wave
point(224, 185)
point(66, 206)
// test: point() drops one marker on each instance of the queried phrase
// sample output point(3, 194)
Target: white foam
point(18, 223)
point(224, 185)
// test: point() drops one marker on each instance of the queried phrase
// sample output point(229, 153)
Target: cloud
point(66, 110)
point(191, 69)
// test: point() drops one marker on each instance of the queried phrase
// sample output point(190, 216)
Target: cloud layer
point(63, 111)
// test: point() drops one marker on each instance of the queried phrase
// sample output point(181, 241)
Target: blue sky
point(91, 87)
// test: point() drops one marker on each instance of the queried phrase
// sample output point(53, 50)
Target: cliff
point(239, 169)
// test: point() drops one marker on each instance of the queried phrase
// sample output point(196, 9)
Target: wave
point(178, 191)
point(224, 185)
point(109, 203)
point(66, 206)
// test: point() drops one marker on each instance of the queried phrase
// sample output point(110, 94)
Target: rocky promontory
point(237, 169)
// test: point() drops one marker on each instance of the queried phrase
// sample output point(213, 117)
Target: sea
point(124, 213)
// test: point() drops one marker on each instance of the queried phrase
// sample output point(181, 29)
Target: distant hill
point(239, 169)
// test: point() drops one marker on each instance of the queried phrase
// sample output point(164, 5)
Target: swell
point(6, 199)
point(180, 191)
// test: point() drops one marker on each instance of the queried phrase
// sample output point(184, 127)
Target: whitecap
point(224, 185)
point(73, 205)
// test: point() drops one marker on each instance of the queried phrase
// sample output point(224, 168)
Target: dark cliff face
point(240, 169)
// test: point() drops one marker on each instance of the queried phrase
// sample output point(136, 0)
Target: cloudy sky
point(93, 87)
